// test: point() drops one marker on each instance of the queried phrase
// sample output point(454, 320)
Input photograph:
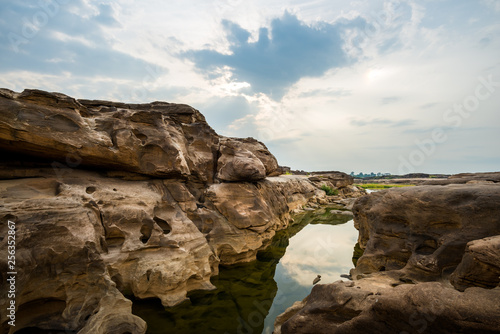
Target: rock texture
point(469, 178)
point(374, 306)
point(480, 265)
point(156, 139)
point(416, 241)
point(423, 231)
point(113, 200)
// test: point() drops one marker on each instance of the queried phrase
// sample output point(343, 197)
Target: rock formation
point(416, 241)
point(112, 200)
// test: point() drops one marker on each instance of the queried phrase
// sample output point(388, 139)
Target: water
point(250, 296)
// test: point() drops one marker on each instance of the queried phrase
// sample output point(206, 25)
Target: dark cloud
point(283, 54)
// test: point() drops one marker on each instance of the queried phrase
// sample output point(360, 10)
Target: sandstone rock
point(152, 139)
point(480, 265)
point(332, 179)
point(470, 178)
point(432, 307)
point(147, 238)
point(423, 230)
point(245, 216)
point(158, 139)
point(410, 236)
point(62, 281)
point(238, 164)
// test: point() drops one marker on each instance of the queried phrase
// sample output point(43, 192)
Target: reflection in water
point(250, 296)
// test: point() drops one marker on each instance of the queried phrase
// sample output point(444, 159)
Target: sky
point(394, 86)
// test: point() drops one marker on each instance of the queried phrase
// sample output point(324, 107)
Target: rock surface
point(416, 240)
point(423, 231)
point(374, 306)
point(112, 200)
point(480, 265)
point(157, 139)
point(469, 178)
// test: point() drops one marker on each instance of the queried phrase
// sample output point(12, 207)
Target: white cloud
point(413, 54)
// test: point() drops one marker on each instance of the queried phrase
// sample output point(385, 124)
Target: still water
point(250, 296)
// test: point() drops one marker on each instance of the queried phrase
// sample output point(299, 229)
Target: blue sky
point(389, 86)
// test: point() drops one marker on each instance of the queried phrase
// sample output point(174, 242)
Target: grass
point(329, 190)
point(383, 186)
point(288, 173)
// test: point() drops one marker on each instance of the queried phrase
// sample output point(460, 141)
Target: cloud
point(390, 99)
point(283, 54)
point(65, 39)
point(382, 122)
point(222, 112)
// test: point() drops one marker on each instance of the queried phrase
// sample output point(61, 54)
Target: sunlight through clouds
point(300, 76)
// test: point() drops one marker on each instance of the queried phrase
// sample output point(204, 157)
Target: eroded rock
point(480, 265)
point(423, 230)
point(413, 239)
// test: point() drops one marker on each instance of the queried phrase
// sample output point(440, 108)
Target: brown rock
point(462, 178)
point(62, 281)
point(245, 160)
point(151, 139)
point(376, 307)
point(332, 179)
point(409, 236)
point(480, 265)
point(423, 230)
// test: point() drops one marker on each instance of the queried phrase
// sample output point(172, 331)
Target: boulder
point(423, 231)
point(62, 281)
point(84, 240)
point(414, 240)
point(471, 178)
point(245, 160)
point(432, 307)
point(480, 265)
point(332, 179)
point(157, 139)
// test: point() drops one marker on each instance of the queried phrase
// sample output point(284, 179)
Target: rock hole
point(145, 233)
point(427, 247)
point(114, 189)
point(382, 268)
point(148, 274)
point(142, 137)
point(163, 225)
point(114, 238)
point(90, 190)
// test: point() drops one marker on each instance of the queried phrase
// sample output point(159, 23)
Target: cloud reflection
point(320, 249)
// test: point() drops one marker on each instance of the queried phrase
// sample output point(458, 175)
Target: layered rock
point(423, 231)
point(470, 178)
point(416, 241)
point(112, 200)
point(480, 265)
point(375, 306)
point(157, 139)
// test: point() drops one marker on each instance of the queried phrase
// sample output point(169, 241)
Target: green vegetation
point(383, 186)
point(288, 173)
point(329, 190)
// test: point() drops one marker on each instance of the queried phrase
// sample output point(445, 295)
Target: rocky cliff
point(430, 264)
point(111, 200)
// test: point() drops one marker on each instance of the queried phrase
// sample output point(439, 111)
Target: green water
point(250, 296)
